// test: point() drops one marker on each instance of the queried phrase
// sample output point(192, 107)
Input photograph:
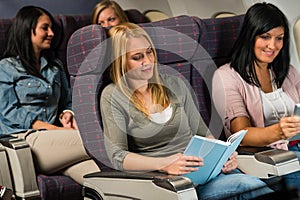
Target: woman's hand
point(68, 121)
point(289, 126)
point(231, 164)
point(38, 125)
point(179, 164)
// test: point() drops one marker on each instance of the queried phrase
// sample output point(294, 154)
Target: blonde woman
point(108, 13)
point(149, 118)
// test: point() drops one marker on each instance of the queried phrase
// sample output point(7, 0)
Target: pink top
point(234, 97)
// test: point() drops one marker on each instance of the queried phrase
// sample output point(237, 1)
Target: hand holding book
point(215, 154)
point(231, 163)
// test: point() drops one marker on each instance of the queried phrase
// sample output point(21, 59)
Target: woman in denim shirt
point(36, 98)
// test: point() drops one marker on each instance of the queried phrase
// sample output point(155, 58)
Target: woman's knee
point(55, 150)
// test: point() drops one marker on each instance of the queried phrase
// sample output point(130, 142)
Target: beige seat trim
point(296, 31)
point(155, 15)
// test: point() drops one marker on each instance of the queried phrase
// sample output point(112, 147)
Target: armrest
point(268, 155)
point(13, 142)
point(247, 150)
point(266, 162)
point(22, 167)
point(138, 185)
point(173, 183)
point(6, 193)
point(5, 178)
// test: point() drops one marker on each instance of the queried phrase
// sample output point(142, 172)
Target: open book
point(215, 154)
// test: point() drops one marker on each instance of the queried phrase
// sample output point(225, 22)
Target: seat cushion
point(58, 187)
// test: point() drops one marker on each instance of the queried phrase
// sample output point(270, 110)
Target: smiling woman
point(259, 85)
point(36, 97)
point(42, 35)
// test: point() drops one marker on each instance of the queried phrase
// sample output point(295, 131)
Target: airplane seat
point(155, 15)
point(188, 47)
point(223, 14)
point(4, 24)
point(88, 59)
point(217, 38)
point(42, 186)
point(135, 16)
point(5, 178)
point(68, 24)
point(178, 54)
point(296, 33)
point(19, 174)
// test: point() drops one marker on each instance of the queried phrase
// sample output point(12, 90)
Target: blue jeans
point(234, 185)
point(296, 150)
point(293, 179)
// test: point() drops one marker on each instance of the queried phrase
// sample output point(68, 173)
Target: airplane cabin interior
point(193, 39)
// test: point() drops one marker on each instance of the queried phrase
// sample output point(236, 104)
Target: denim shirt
point(25, 98)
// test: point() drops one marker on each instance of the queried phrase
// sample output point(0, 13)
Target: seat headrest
point(86, 50)
point(175, 39)
point(136, 16)
point(219, 36)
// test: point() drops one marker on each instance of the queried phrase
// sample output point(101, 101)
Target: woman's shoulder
point(10, 61)
point(178, 85)
point(11, 65)
point(111, 92)
point(293, 70)
point(108, 89)
point(293, 74)
point(226, 68)
point(226, 72)
point(171, 80)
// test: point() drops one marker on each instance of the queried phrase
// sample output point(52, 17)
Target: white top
point(162, 117)
point(276, 104)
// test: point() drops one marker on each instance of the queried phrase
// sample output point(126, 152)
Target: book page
point(234, 136)
point(210, 150)
point(238, 136)
point(214, 153)
point(212, 140)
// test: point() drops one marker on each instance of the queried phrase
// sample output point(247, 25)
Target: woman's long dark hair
point(19, 39)
point(259, 19)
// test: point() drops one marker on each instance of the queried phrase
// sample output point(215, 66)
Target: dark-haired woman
point(259, 85)
point(36, 98)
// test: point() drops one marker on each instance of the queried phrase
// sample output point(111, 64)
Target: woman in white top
point(149, 118)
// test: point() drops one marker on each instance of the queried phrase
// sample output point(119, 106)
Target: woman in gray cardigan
point(149, 119)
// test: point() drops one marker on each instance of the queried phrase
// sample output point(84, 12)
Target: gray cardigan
point(128, 130)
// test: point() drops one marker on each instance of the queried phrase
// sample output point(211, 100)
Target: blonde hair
point(120, 35)
point(106, 4)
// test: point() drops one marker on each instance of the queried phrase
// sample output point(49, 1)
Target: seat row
point(187, 46)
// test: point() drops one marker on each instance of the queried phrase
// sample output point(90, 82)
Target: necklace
point(277, 95)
